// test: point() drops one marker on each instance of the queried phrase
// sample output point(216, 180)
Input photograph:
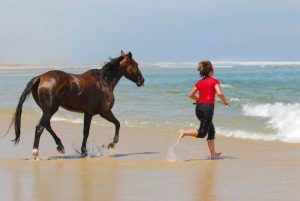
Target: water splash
point(171, 155)
point(177, 153)
point(94, 149)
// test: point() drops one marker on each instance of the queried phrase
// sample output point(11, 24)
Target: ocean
point(264, 99)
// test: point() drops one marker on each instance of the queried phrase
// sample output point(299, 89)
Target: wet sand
point(138, 168)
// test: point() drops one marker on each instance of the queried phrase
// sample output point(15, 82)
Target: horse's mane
point(106, 72)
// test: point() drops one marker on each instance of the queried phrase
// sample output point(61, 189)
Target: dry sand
point(138, 170)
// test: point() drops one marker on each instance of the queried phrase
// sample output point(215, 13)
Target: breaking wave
point(283, 118)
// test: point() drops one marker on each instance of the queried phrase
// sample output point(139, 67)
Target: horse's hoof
point(35, 154)
point(61, 149)
point(83, 155)
point(35, 158)
point(111, 146)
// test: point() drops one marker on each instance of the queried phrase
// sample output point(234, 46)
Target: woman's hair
point(205, 67)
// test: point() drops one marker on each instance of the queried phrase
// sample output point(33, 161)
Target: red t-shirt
point(206, 87)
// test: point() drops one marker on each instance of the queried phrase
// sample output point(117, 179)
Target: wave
point(258, 63)
point(242, 134)
point(128, 123)
point(70, 120)
point(284, 118)
point(48, 67)
point(226, 86)
point(233, 99)
point(245, 134)
point(226, 64)
point(182, 64)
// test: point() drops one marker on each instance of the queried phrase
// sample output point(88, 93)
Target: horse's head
point(130, 69)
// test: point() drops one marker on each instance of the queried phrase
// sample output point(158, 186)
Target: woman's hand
point(226, 102)
point(220, 94)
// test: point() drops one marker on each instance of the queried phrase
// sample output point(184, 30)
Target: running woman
point(207, 87)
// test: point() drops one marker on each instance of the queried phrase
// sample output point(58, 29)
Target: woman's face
point(198, 68)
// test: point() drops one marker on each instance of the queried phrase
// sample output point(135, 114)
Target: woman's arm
point(220, 94)
point(192, 94)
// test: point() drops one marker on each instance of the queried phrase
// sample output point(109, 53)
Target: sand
point(138, 169)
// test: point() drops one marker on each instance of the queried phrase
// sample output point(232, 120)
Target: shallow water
point(264, 100)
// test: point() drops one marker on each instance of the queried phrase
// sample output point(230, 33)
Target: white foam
point(226, 64)
point(71, 120)
point(248, 135)
point(283, 118)
point(234, 99)
point(226, 86)
point(181, 64)
point(258, 63)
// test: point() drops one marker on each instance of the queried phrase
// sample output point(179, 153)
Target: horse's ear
point(130, 55)
point(122, 53)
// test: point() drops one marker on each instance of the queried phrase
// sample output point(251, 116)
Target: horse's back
point(51, 87)
point(55, 74)
point(52, 80)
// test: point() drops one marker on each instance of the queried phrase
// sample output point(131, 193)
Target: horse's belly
point(79, 104)
point(73, 109)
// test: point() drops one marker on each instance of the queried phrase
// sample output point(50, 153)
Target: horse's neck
point(116, 76)
point(115, 81)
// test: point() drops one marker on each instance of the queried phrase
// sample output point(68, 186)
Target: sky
point(89, 31)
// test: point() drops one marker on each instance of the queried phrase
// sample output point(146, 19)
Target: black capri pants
point(205, 113)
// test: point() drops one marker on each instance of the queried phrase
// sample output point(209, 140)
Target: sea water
point(264, 99)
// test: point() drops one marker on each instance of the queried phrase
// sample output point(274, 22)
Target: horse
point(90, 93)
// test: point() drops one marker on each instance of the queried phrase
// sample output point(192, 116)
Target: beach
point(140, 167)
point(260, 153)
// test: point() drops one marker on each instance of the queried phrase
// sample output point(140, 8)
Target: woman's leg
point(211, 143)
point(211, 147)
point(183, 133)
point(194, 132)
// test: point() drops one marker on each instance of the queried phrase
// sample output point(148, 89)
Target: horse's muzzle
point(140, 82)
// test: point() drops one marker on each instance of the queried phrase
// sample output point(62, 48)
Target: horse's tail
point(16, 120)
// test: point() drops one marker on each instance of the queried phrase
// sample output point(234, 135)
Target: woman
point(207, 87)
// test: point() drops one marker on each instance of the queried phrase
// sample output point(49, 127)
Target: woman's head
point(205, 68)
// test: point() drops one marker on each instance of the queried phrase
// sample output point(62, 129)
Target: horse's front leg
point(109, 116)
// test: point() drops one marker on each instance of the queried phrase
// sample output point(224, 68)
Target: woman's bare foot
point(216, 155)
point(181, 135)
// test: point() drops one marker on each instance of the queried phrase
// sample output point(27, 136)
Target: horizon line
point(221, 63)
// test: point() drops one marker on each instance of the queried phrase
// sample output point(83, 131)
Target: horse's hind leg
point(44, 121)
point(60, 147)
point(86, 131)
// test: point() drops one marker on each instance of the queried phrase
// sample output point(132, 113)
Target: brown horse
point(90, 93)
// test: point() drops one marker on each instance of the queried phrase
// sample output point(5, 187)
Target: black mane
point(106, 72)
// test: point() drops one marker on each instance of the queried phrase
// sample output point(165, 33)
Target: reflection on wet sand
point(205, 187)
point(16, 186)
point(110, 179)
point(81, 180)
